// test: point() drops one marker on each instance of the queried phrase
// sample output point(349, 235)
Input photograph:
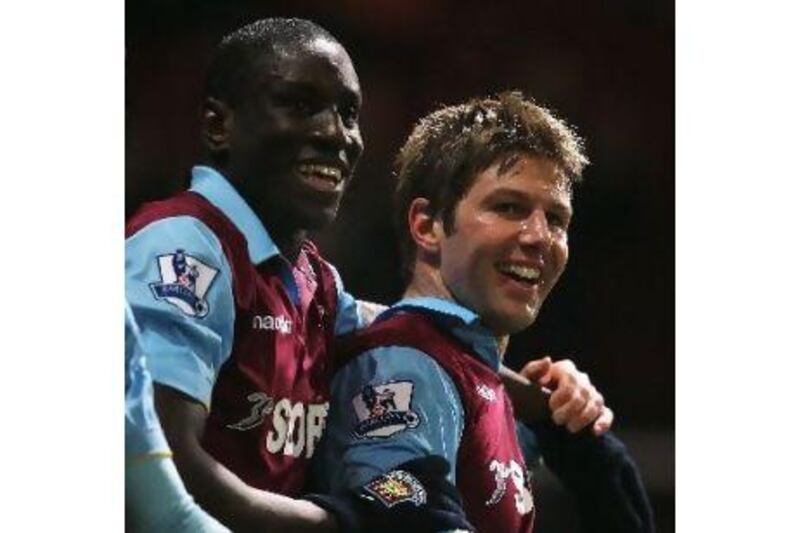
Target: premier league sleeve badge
point(385, 409)
point(185, 280)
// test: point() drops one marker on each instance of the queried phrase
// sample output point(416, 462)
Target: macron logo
point(273, 323)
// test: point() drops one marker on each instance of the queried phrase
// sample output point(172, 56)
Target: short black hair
point(241, 50)
point(448, 149)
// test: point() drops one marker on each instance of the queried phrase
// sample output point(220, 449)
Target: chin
point(318, 219)
point(511, 323)
point(520, 325)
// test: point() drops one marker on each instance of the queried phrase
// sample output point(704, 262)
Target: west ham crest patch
point(184, 282)
point(396, 487)
point(383, 410)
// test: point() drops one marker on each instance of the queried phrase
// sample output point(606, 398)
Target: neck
point(286, 235)
point(427, 281)
point(502, 345)
point(288, 240)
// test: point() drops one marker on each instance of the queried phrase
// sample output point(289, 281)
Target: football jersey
point(442, 396)
point(227, 320)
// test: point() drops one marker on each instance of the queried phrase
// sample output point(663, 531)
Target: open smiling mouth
point(326, 178)
point(527, 275)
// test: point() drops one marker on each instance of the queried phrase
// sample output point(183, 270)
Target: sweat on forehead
point(244, 48)
point(507, 165)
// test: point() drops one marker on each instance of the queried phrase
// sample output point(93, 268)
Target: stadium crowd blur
point(608, 66)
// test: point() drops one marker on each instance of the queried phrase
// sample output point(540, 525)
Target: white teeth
point(527, 273)
point(322, 171)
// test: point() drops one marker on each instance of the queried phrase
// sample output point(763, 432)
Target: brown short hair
point(448, 148)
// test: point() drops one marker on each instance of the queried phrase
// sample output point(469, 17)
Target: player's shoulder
point(392, 363)
point(176, 234)
point(180, 259)
point(392, 388)
point(186, 203)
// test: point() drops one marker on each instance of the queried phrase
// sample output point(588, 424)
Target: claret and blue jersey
point(411, 377)
point(228, 321)
point(193, 348)
point(421, 381)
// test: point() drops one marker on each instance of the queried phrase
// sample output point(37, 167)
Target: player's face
point(296, 138)
point(509, 243)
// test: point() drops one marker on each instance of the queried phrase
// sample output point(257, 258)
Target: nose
point(534, 231)
point(328, 127)
point(331, 133)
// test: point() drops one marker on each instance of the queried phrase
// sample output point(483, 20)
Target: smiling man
point(484, 202)
point(236, 308)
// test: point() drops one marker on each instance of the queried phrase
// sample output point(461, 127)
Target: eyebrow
point(562, 208)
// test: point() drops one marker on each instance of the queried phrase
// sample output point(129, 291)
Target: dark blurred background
point(607, 67)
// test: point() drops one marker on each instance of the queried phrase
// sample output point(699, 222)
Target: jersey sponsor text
point(296, 427)
point(273, 323)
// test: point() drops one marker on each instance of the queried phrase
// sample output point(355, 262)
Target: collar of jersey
point(463, 323)
point(215, 188)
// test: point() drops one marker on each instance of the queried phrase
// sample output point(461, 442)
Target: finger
point(569, 410)
point(559, 397)
point(589, 414)
point(537, 369)
point(565, 367)
point(567, 387)
point(562, 396)
point(603, 422)
point(564, 373)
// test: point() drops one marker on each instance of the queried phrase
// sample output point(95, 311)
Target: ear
point(426, 230)
point(217, 124)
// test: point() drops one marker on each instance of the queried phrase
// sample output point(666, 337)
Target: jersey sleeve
point(389, 406)
point(143, 435)
point(157, 500)
point(179, 286)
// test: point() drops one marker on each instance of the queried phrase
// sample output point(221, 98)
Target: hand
point(428, 501)
point(574, 402)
